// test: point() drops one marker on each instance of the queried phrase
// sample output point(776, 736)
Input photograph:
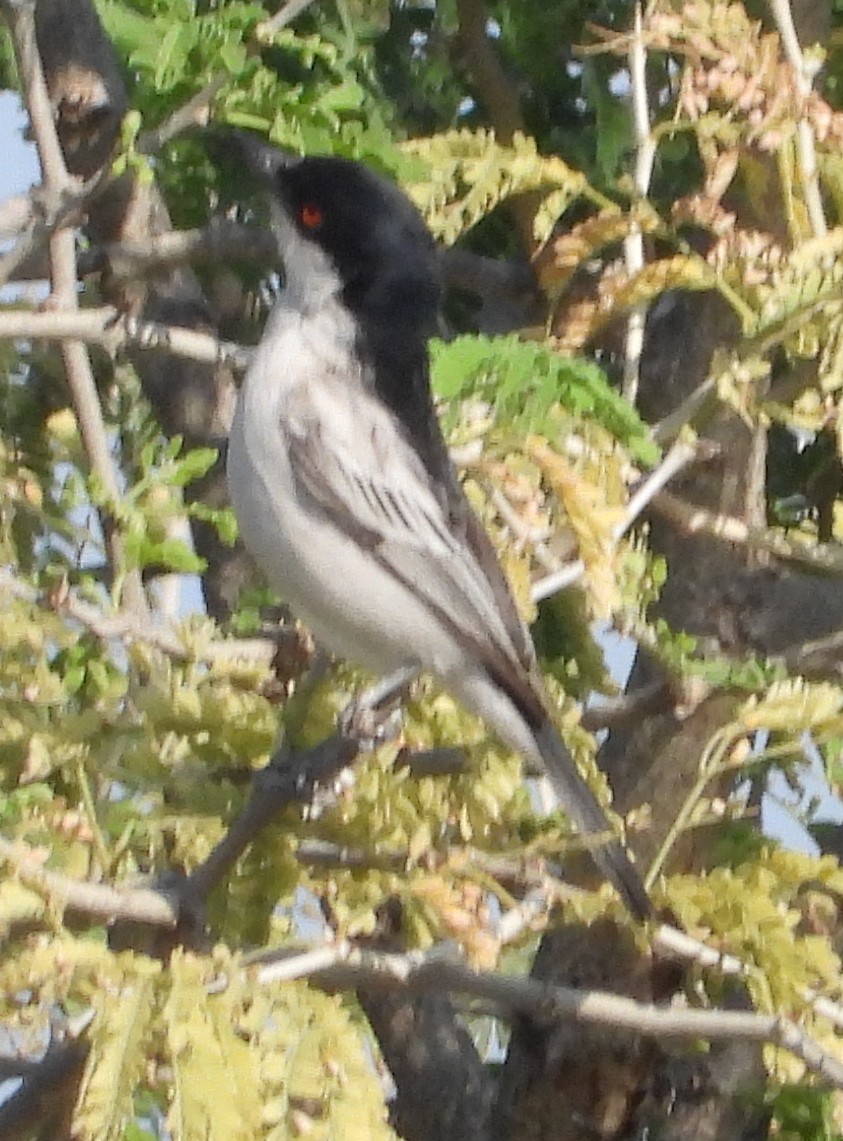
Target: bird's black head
point(348, 234)
point(382, 250)
point(334, 214)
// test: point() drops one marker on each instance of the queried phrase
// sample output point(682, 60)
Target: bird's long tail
point(585, 811)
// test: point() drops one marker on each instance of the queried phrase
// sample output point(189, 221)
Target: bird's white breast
point(288, 370)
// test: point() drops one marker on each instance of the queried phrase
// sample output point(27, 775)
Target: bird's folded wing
point(378, 492)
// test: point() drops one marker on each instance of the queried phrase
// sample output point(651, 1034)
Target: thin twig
point(816, 658)
point(96, 900)
point(679, 456)
point(36, 217)
point(804, 72)
point(17, 214)
point(221, 241)
point(668, 428)
point(670, 942)
point(633, 706)
point(323, 854)
point(645, 153)
point(126, 626)
point(285, 15)
point(197, 110)
point(224, 240)
point(525, 916)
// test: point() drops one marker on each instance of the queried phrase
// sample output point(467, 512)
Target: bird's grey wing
point(373, 487)
point(379, 491)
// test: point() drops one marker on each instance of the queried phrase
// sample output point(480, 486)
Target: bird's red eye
point(311, 216)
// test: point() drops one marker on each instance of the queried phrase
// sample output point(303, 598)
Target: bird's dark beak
point(263, 160)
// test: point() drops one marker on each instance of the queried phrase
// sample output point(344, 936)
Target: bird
point(341, 480)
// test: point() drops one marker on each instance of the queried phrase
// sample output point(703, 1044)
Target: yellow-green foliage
point(763, 912)
point(229, 1060)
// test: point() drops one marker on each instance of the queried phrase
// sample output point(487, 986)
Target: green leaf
point(193, 465)
point(523, 381)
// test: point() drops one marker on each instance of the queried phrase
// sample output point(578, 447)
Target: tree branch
point(197, 110)
point(106, 326)
point(823, 558)
point(804, 72)
point(47, 1093)
point(288, 779)
point(680, 456)
point(96, 901)
point(80, 378)
point(498, 94)
point(545, 1004)
point(223, 240)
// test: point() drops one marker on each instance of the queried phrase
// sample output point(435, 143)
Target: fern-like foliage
point(470, 173)
point(523, 381)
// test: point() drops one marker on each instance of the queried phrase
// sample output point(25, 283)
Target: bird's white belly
point(351, 604)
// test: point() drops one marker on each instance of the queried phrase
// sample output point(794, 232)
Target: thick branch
point(47, 1094)
point(288, 779)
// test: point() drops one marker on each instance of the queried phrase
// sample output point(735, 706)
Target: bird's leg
point(374, 716)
